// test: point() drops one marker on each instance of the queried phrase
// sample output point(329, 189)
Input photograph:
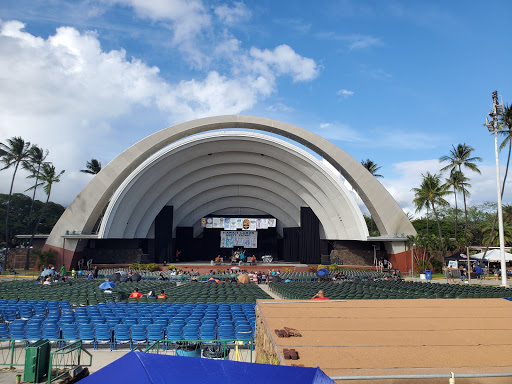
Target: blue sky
point(398, 82)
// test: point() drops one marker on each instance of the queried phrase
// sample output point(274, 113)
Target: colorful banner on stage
point(231, 239)
point(232, 224)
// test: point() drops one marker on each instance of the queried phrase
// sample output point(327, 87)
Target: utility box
point(37, 358)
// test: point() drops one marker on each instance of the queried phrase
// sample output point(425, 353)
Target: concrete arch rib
point(236, 182)
point(194, 183)
point(270, 199)
point(331, 205)
point(241, 201)
point(85, 209)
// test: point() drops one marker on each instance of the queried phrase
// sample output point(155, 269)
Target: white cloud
point(187, 19)
point(337, 131)
point(354, 41)
point(65, 93)
point(279, 107)
point(345, 93)
point(483, 186)
point(284, 60)
point(234, 15)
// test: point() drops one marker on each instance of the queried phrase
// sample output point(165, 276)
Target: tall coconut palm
point(432, 192)
point(371, 167)
point(36, 158)
point(458, 182)
point(461, 157)
point(13, 153)
point(93, 167)
point(47, 177)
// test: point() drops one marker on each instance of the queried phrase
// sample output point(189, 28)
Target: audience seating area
point(384, 289)
point(83, 292)
point(348, 274)
point(125, 324)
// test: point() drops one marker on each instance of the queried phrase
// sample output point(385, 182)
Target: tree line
point(18, 154)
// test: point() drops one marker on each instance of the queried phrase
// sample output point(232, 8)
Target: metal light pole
point(493, 126)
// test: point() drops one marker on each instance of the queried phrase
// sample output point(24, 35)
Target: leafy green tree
point(431, 192)
point(20, 207)
point(461, 157)
point(12, 154)
point(48, 177)
point(92, 167)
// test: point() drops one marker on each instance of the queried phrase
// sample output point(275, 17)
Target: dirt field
point(381, 337)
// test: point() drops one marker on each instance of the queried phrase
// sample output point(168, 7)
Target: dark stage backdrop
point(291, 241)
point(310, 237)
point(163, 234)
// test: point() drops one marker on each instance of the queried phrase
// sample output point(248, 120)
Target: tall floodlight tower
point(493, 126)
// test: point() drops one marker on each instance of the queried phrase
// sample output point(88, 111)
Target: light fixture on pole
point(493, 126)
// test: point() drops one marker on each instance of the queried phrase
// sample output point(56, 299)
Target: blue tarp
point(146, 368)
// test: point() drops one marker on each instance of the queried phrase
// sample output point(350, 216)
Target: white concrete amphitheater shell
point(209, 172)
point(82, 214)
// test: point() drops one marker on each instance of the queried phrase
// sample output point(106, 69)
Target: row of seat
point(348, 274)
point(385, 289)
point(85, 292)
point(177, 321)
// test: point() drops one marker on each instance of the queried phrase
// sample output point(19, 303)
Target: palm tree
point(13, 153)
point(47, 176)
point(93, 167)
point(494, 238)
point(371, 167)
point(431, 193)
point(457, 181)
point(36, 158)
point(461, 157)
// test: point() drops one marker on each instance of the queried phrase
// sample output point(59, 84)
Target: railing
point(66, 358)
point(12, 353)
point(239, 350)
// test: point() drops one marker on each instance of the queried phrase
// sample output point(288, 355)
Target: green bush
point(152, 267)
point(437, 266)
point(333, 267)
point(135, 266)
point(45, 258)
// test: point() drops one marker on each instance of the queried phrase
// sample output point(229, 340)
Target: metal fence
point(65, 359)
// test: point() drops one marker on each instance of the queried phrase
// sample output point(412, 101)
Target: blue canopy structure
point(149, 368)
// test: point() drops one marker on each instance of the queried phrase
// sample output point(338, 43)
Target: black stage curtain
point(185, 244)
point(267, 244)
point(163, 234)
point(291, 241)
point(310, 237)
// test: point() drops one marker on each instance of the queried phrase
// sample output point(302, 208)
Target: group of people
point(237, 258)
point(151, 294)
point(477, 271)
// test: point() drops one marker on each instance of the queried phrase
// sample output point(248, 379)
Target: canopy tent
point(493, 255)
point(459, 257)
point(149, 368)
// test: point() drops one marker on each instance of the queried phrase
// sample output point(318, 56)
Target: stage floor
point(395, 337)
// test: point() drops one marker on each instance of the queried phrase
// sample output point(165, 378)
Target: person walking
point(450, 274)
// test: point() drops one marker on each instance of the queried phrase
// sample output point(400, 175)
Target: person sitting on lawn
point(136, 294)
